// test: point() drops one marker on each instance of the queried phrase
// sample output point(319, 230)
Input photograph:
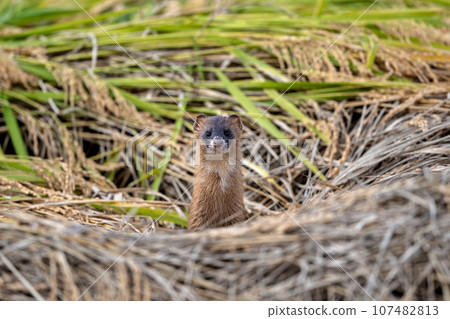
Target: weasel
point(218, 195)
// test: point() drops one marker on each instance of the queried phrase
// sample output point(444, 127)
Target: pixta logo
point(148, 150)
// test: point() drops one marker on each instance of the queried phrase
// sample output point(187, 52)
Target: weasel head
point(218, 135)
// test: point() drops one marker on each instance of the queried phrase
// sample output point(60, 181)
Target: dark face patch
point(218, 127)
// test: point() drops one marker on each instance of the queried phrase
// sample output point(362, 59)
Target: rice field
point(346, 149)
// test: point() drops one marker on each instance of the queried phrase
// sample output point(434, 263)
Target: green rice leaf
point(176, 132)
point(264, 122)
point(13, 128)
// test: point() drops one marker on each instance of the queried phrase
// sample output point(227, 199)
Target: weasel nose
point(217, 141)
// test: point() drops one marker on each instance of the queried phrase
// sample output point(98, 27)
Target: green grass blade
point(176, 132)
point(13, 129)
point(155, 213)
point(318, 9)
point(291, 109)
point(371, 54)
point(260, 65)
point(264, 122)
point(11, 161)
point(282, 102)
point(198, 60)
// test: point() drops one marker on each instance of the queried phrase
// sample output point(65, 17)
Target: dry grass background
point(376, 109)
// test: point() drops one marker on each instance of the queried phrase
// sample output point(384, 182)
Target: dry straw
point(388, 227)
point(392, 238)
point(373, 115)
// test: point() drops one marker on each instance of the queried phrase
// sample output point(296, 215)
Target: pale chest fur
point(217, 198)
point(219, 176)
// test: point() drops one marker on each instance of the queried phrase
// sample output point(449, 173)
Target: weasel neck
point(221, 174)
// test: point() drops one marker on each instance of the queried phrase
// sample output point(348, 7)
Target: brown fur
point(218, 188)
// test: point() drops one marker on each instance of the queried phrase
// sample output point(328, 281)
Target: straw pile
point(383, 235)
point(392, 240)
point(80, 220)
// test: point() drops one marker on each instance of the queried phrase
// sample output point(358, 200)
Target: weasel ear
point(200, 118)
point(236, 120)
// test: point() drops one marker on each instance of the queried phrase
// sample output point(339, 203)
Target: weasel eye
point(208, 134)
point(227, 133)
